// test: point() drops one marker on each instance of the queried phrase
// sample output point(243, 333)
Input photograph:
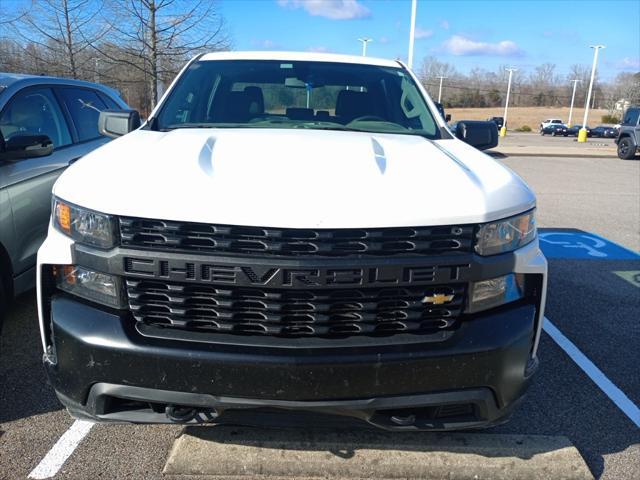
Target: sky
point(467, 34)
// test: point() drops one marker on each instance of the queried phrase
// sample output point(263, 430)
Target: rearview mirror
point(294, 82)
point(478, 134)
point(20, 147)
point(115, 123)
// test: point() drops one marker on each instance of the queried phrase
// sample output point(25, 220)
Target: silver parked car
point(46, 123)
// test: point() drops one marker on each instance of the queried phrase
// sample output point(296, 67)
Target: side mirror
point(20, 147)
point(478, 134)
point(115, 123)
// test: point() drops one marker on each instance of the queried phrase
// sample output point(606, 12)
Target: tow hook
point(179, 414)
point(403, 420)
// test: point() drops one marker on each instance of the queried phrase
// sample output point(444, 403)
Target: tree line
point(135, 46)
point(541, 87)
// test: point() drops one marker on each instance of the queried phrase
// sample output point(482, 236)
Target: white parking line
point(616, 395)
point(64, 447)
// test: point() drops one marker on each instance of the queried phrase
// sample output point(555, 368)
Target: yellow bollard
point(582, 135)
point(503, 131)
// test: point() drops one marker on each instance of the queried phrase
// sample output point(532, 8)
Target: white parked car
point(551, 121)
point(292, 231)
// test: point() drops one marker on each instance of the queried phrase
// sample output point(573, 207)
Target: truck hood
point(294, 178)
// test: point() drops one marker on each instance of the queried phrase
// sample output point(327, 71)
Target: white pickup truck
point(292, 232)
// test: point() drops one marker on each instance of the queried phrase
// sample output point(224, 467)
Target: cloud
point(422, 33)
point(383, 40)
point(266, 44)
point(444, 24)
point(629, 63)
point(459, 45)
point(333, 9)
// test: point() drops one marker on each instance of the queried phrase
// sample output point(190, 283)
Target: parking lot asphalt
point(594, 307)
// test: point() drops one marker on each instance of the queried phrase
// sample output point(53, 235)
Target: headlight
point(506, 235)
point(496, 291)
point(95, 286)
point(84, 226)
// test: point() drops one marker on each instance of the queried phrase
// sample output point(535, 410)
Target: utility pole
point(503, 130)
point(364, 41)
point(440, 89)
point(412, 32)
point(573, 97)
point(582, 134)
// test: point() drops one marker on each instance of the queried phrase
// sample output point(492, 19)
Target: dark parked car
point(46, 123)
point(573, 131)
point(554, 130)
point(604, 132)
point(499, 121)
point(629, 134)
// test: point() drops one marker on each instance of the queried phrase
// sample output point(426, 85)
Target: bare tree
point(61, 31)
point(157, 36)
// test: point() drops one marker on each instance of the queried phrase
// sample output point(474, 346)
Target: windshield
point(293, 94)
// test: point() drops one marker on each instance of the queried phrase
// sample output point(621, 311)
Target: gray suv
point(46, 124)
point(629, 136)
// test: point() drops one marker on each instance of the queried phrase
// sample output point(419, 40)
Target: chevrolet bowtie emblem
point(437, 298)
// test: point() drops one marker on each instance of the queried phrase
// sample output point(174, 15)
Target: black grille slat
point(293, 313)
point(283, 242)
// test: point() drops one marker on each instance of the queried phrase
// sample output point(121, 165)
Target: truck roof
point(301, 56)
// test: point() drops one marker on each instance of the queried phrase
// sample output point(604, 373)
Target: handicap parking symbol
point(582, 245)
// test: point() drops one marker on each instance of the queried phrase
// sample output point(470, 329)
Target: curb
point(551, 154)
point(230, 452)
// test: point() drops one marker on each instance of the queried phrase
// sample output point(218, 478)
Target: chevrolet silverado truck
point(292, 235)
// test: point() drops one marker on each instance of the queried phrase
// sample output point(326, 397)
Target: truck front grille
point(290, 242)
point(295, 313)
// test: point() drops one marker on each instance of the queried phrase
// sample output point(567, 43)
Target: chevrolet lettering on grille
point(274, 276)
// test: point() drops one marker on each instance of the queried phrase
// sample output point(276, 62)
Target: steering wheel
point(370, 118)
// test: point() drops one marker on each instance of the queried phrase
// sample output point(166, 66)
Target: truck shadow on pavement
point(24, 390)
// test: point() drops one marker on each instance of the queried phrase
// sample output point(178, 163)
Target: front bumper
point(103, 371)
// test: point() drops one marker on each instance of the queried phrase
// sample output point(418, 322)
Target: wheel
point(626, 148)
point(553, 134)
point(542, 133)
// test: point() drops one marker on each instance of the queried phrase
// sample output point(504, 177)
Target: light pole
point(440, 89)
point(582, 134)
point(364, 41)
point(573, 97)
point(503, 130)
point(412, 32)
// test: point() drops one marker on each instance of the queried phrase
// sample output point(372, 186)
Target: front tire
point(553, 134)
point(626, 148)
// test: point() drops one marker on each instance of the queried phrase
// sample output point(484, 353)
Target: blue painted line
point(576, 244)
